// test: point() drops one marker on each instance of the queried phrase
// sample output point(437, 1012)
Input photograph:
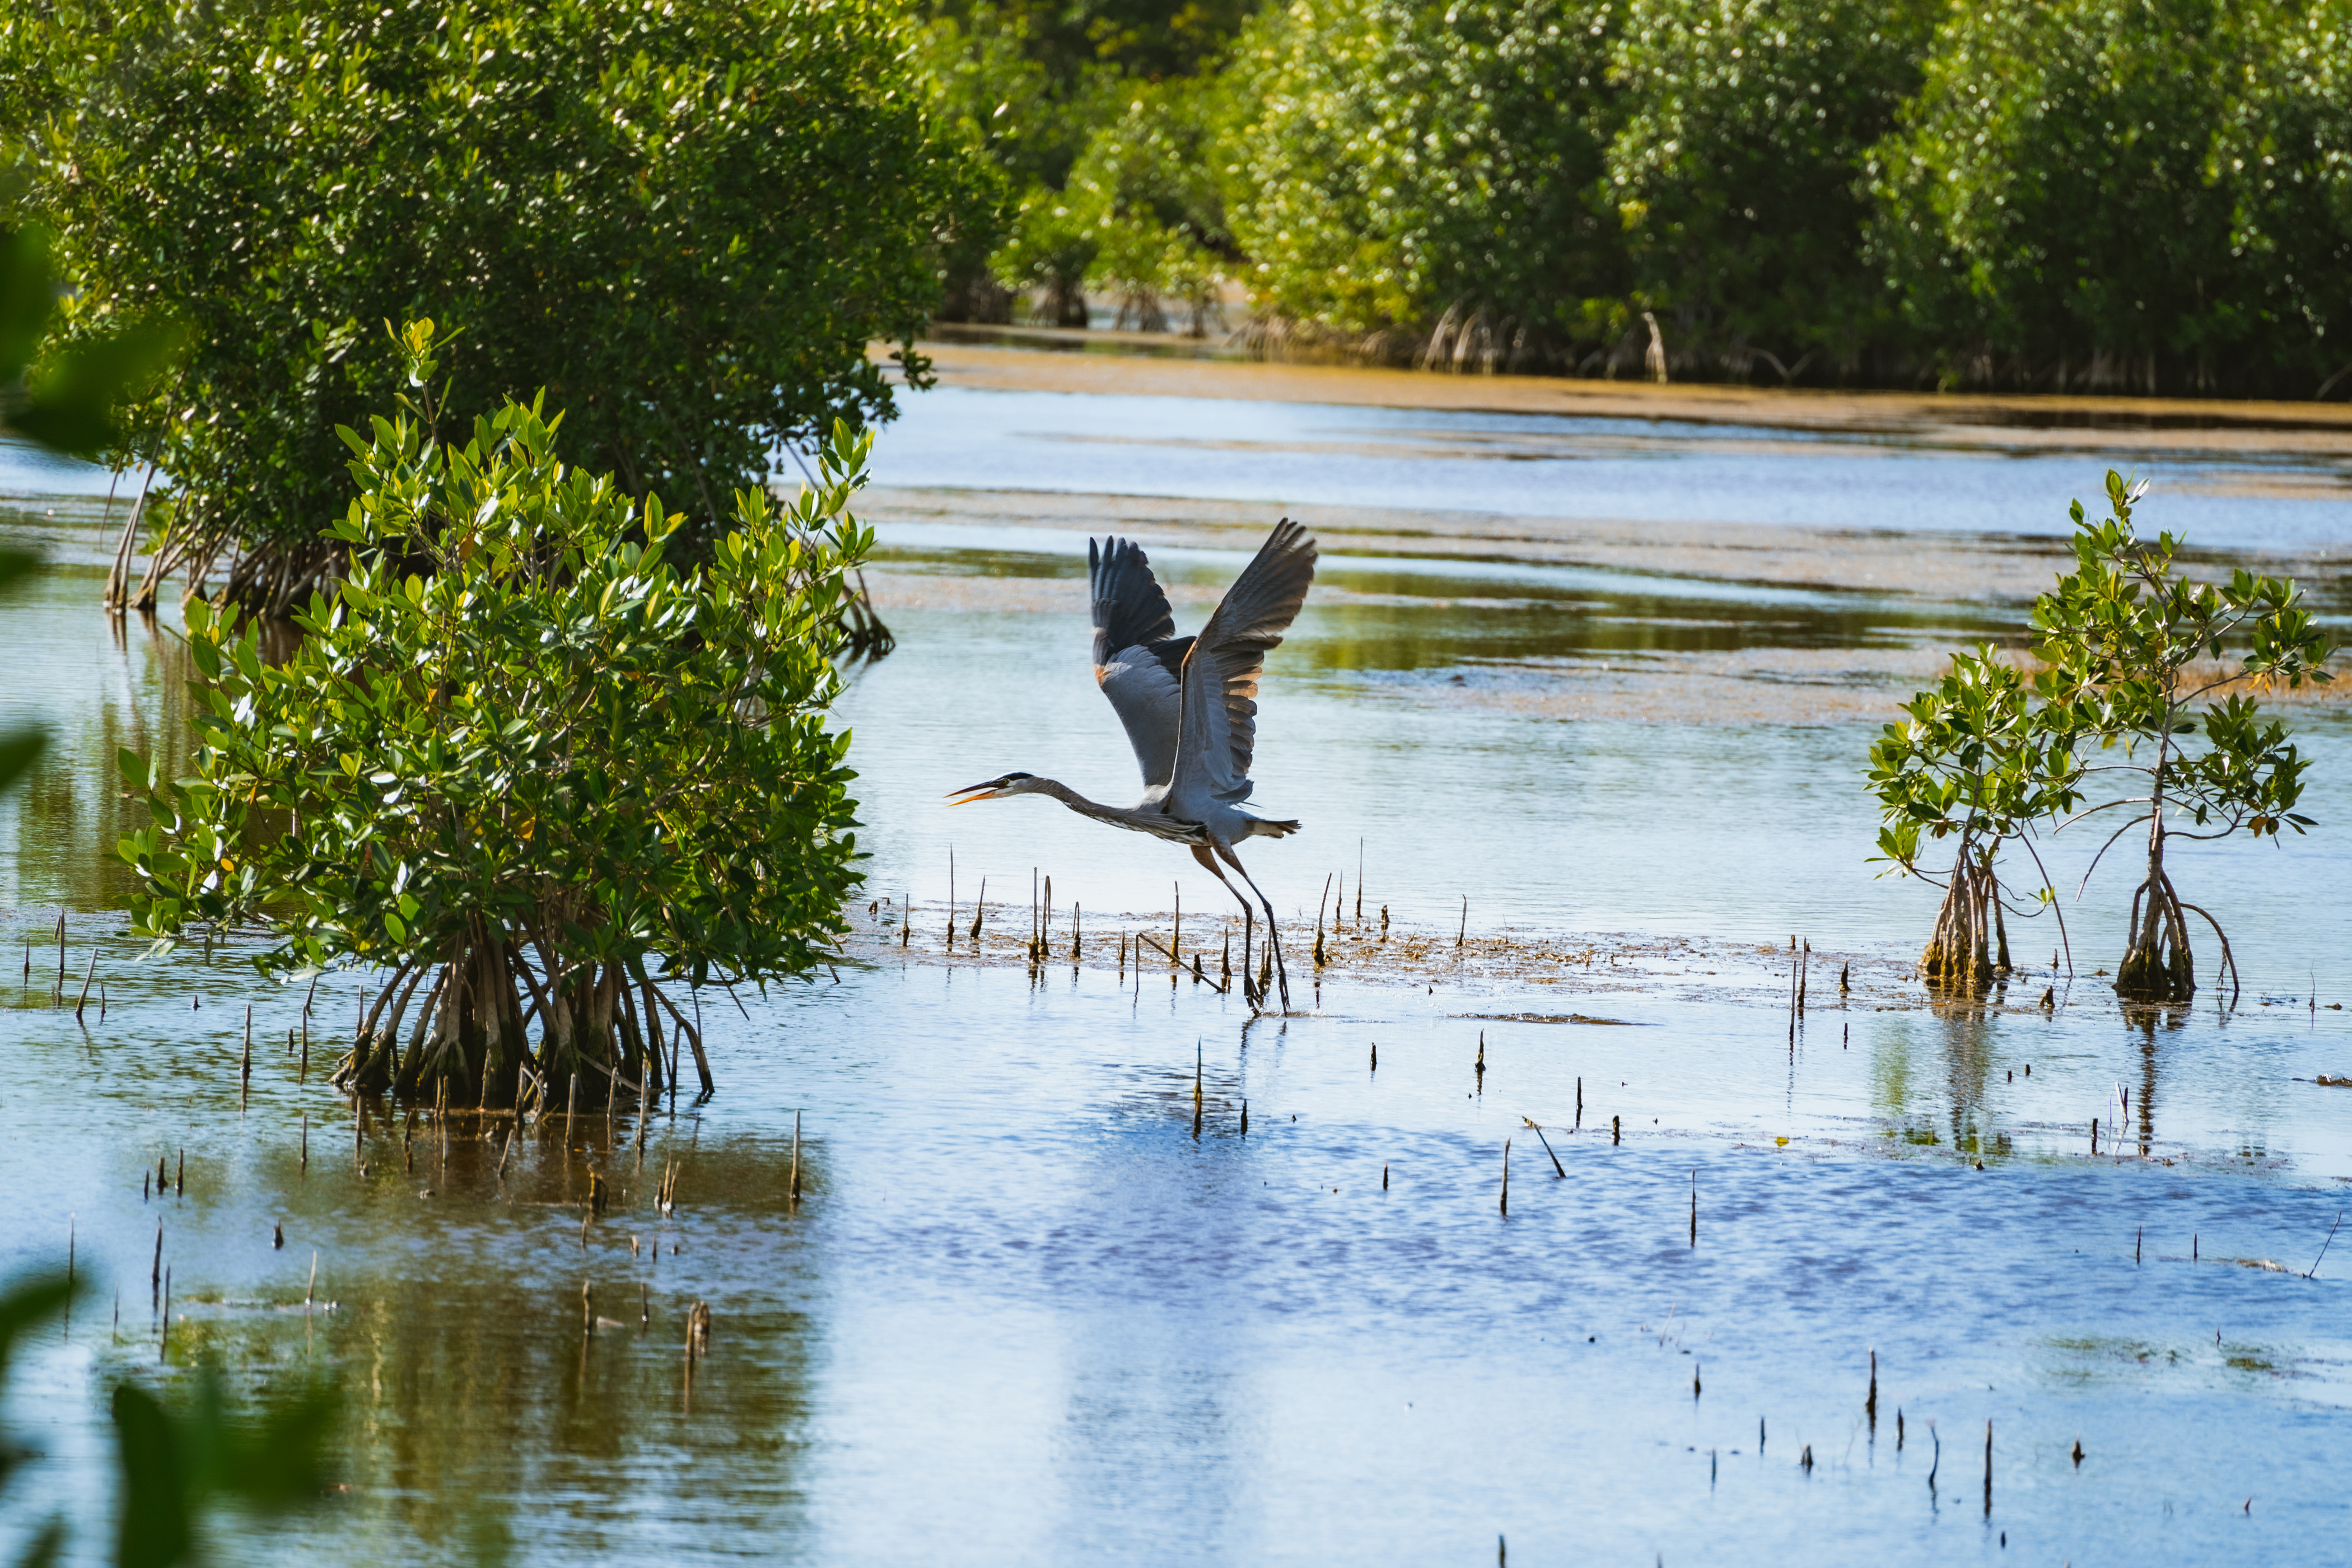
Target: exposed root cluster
point(601, 1031)
point(2158, 965)
point(1970, 942)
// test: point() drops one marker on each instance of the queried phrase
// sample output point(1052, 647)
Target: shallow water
point(1028, 1309)
point(1550, 465)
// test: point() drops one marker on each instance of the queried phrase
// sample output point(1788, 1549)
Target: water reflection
point(102, 684)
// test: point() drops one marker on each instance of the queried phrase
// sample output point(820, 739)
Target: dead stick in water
point(1319, 920)
point(307, 997)
point(1156, 947)
point(796, 1160)
point(1196, 1088)
point(2323, 1247)
point(950, 897)
point(1506, 1205)
point(88, 976)
point(1532, 1125)
point(1465, 932)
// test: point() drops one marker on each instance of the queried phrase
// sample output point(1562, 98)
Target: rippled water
point(1030, 1308)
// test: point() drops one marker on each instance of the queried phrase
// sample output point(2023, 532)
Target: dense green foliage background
point(2124, 195)
point(684, 219)
point(687, 220)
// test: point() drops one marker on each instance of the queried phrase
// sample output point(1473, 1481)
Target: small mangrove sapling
point(1975, 762)
point(2131, 648)
point(548, 774)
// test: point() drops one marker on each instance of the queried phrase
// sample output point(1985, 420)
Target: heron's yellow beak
point(970, 792)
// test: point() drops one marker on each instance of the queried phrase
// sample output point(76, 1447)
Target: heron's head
point(1008, 784)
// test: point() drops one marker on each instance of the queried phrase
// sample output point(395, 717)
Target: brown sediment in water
point(1563, 969)
point(1762, 684)
point(2125, 426)
point(1926, 567)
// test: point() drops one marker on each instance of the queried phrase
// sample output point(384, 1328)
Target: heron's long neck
point(1141, 819)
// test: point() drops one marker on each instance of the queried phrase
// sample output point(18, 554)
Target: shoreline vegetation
point(2071, 197)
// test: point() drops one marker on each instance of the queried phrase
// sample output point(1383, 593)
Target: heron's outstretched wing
point(1219, 733)
point(1138, 657)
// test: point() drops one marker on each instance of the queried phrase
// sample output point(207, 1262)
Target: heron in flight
point(1190, 706)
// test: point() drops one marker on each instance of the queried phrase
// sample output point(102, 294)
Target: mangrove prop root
point(467, 1037)
point(2157, 964)
point(1971, 945)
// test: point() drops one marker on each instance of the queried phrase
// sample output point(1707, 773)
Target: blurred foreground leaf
point(176, 1462)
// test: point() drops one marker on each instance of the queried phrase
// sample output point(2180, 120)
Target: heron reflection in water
point(1190, 706)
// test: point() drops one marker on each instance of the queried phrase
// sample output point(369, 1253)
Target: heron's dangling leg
point(1249, 916)
point(1273, 936)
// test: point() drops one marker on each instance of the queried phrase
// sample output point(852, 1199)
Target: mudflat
point(2149, 426)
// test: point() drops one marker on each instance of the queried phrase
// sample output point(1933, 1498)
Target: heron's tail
point(1261, 828)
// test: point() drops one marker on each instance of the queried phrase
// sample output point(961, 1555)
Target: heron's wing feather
point(1219, 738)
point(1138, 657)
point(1129, 609)
point(1145, 688)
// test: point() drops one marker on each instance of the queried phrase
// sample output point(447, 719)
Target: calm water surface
point(1028, 1310)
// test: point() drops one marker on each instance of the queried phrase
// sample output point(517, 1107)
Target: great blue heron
point(1190, 705)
